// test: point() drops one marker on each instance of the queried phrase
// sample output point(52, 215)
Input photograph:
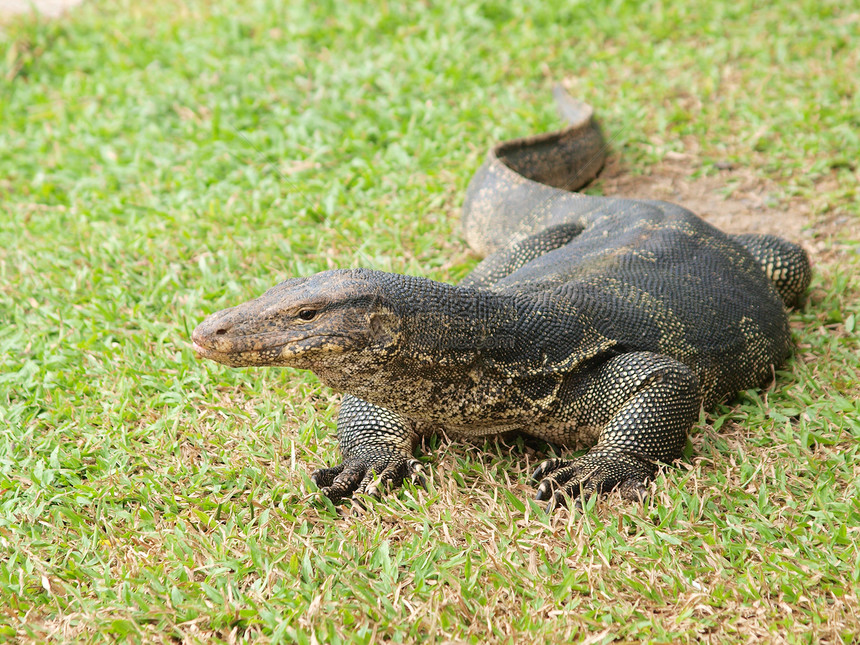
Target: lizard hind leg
point(786, 264)
point(645, 403)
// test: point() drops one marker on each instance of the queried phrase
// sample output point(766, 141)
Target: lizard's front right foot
point(368, 475)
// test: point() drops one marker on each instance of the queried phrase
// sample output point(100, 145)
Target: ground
point(51, 8)
point(163, 160)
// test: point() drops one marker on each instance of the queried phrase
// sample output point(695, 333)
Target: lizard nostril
point(221, 332)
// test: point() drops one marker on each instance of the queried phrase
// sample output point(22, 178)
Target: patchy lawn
point(161, 160)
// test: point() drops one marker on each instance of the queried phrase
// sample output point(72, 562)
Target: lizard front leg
point(645, 404)
point(376, 445)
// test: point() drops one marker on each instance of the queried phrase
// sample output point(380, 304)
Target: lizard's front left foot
point(561, 480)
point(368, 475)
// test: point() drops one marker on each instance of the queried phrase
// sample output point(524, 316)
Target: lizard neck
point(461, 353)
point(442, 331)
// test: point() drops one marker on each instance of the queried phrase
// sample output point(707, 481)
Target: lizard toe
point(633, 490)
point(554, 475)
point(416, 474)
point(569, 483)
point(324, 477)
point(371, 476)
point(391, 476)
point(345, 483)
point(580, 478)
point(548, 466)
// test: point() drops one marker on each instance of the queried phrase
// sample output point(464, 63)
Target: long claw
point(563, 482)
point(544, 490)
point(323, 477)
point(416, 475)
point(547, 467)
point(367, 475)
point(558, 500)
point(348, 479)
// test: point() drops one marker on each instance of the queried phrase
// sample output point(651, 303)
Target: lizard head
point(326, 321)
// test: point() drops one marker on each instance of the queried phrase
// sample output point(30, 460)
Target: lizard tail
point(514, 192)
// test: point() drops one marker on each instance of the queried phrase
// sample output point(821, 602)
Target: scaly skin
point(591, 322)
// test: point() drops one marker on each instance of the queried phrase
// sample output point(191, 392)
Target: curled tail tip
point(572, 110)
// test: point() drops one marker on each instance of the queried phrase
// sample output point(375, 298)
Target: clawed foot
point(368, 475)
point(560, 480)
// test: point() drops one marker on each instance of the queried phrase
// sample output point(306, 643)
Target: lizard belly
point(564, 433)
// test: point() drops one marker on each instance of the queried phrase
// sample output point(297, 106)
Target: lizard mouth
point(251, 351)
point(238, 357)
point(201, 351)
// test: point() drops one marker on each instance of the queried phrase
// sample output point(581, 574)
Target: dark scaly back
point(658, 278)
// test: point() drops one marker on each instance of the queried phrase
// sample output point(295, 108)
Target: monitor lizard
point(593, 321)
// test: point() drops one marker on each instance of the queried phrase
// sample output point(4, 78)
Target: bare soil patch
point(733, 200)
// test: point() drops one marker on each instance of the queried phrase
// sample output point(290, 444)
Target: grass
point(161, 161)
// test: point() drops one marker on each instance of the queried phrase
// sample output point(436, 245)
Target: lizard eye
point(308, 314)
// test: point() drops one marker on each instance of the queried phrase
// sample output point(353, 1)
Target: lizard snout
point(206, 334)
